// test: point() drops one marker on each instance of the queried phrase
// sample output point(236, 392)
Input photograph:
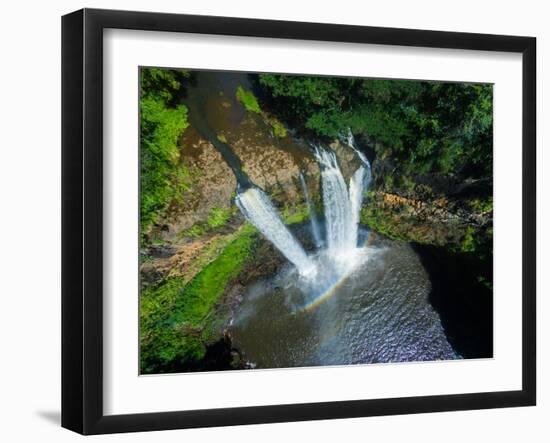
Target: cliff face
point(206, 207)
point(205, 219)
point(450, 211)
point(438, 221)
point(419, 212)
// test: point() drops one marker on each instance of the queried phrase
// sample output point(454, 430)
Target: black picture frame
point(82, 219)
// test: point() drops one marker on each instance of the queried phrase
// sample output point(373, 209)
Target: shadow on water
point(203, 95)
point(464, 305)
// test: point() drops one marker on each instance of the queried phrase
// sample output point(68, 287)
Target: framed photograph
point(269, 221)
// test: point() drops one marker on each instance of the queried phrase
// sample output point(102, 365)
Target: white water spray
point(257, 208)
point(356, 189)
point(350, 140)
point(316, 231)
point(337, 206)
point(359, 182)
point(342, 208)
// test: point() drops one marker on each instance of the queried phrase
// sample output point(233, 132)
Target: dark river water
point(380, 313)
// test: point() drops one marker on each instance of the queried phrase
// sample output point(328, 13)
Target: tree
point(423, 127)
point(162, 178)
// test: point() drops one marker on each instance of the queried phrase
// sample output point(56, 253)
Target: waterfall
point(356, 189)
point(342, 209)
point(359, 182)
point(257, 208)
point(350, 140)
point(315, 230)
point(337, 205)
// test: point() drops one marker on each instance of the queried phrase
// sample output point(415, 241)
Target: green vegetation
point(162, 177)
point(177, 315)
point(250, 103)
point(418, 131)
point(296, 214)
point(468, 243)
point(182, 315)
point(248, 100)
point(421, 133)
point(476, 242)
point(481, 206)
point(395, 227)
point(278, 128)
point(209, 284)
point(421, 127)
point(195, 231)
point(219, 217)
point(471, 246)
point(409, 223)
point(216, 218)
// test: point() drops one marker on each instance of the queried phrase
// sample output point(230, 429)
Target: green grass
point(219, 217)
point(195, 231)
point(250, 103)
point(216, 218)
point(279, 129)
point(204, 290)
point(181, 315)
point(248, 100)
point(297, 214)
point(176, 315)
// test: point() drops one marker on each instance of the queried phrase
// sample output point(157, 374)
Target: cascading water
point(359, 183)
point(337, 206)
point(364, 304)
point(342, 207)
point(315, 229)
point(257, 208)
point(356, 189)
point(350, 140)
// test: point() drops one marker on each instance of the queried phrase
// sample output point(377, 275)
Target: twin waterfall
point(342, 206)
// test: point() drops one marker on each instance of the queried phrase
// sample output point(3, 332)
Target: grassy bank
point(177, 316)
point(185, 313)
point(250, 103)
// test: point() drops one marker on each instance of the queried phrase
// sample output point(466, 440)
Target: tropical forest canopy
point(161, 123)
point(424, 127)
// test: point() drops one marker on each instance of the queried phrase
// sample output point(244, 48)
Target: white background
point(30, 222)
